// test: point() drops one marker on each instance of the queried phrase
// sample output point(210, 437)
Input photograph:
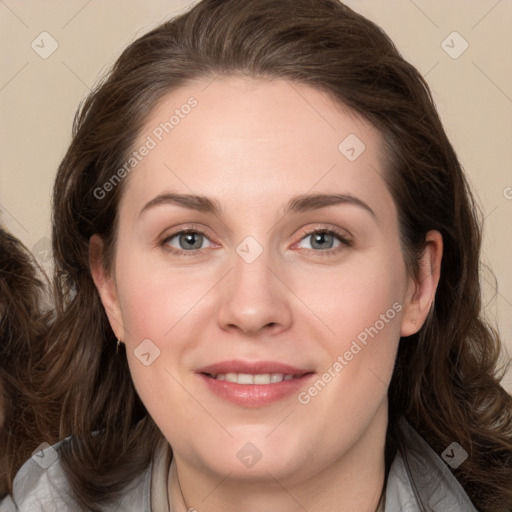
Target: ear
point(106, 285)
point(422, 289)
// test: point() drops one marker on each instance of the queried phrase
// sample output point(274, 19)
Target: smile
point(253, 384)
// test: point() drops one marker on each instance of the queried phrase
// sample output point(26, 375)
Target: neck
point(353, 481)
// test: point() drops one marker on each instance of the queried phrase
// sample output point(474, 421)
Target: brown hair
point(25, 420)
point(446, 380)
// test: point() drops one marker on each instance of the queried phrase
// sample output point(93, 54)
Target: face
point(261, 323)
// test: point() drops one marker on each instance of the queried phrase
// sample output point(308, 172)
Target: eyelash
point(345, 242)
point(327, 252)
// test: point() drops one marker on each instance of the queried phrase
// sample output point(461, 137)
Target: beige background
point(38, 98)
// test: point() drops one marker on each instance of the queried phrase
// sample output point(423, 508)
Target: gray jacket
point(418, 481)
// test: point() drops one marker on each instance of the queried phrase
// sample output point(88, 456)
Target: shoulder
point(420, 480)
point(41, 484)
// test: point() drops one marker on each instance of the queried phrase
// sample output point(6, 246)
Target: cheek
point(358, 300)
point(360, 308)
point(157, 309)
point(154, 299)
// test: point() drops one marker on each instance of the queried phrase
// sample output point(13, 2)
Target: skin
point(252, 144)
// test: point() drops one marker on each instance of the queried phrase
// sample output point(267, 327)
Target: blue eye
point(188, 241)
point(323, 240)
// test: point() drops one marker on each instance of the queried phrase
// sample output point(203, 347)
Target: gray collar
point(419, 480)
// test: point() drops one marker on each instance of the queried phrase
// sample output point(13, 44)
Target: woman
point(255, 215)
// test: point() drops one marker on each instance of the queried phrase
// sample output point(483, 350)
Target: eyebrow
point(297, 204)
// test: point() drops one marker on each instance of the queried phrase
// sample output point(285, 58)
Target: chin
point(256, 457)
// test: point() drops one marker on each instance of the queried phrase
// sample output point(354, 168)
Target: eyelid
point(342, 234)
point(183, 229)
point(346, 240)
point(344, 237)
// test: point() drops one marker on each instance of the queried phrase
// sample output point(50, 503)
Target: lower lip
point(255, 395)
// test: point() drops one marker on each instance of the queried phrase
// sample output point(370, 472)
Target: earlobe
point(106, 286)
point(422, 290)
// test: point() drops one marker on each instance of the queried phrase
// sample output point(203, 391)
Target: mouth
point(253, 384)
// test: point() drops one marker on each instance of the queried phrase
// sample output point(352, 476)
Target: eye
point(190, 241)
point(186, 241)
point(324, 241)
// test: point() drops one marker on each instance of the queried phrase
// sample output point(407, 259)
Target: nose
point(253, 299)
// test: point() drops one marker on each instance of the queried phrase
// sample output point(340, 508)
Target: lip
point(252, 367)
point(254, 395)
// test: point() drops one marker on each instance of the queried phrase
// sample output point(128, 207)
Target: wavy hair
point(447, 376)
point(25, 420)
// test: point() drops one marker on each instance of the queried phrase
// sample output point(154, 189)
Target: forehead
point(241, 139)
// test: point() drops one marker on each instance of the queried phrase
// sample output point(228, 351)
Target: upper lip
point(252, 368)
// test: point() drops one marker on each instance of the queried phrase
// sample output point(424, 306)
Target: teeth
point(244, 378)
point(247, 378)
point(262, 379)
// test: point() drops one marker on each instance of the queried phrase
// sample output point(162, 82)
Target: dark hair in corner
point(25, 420)
point(446, 379)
